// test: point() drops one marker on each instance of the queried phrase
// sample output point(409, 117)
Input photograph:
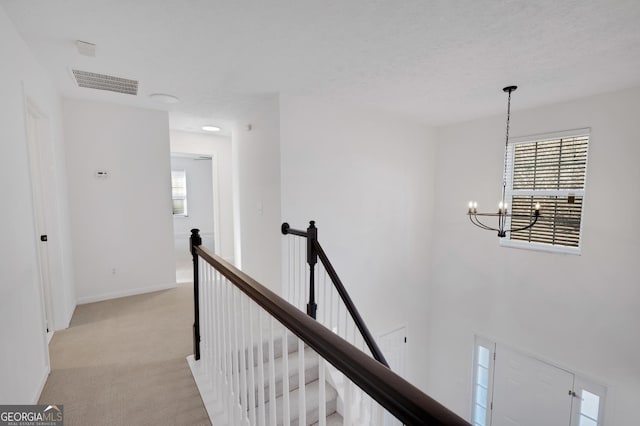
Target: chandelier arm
point(474, 219)
point(535, 219)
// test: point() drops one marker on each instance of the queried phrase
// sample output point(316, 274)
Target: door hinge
point(491, 408)
point(494, 356)
point(573, 394)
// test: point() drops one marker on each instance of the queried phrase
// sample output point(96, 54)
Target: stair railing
point(242, 328)
point(314, 251)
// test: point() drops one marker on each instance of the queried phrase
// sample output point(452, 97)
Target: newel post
point(312, 259)
point(194, 241)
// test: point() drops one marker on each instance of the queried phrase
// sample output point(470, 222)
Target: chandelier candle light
point(503, 207)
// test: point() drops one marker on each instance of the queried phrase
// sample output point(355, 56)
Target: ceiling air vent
point(110, 83)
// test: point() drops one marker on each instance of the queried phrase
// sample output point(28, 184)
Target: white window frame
point(509, 193)
point(491, 346)
point(184, 198)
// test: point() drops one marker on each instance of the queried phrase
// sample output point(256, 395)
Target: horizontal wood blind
point(552, 164)
point(551, 172)
point(559, 223)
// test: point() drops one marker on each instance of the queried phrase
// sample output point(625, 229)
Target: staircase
point(260, 360)
point(311, 377)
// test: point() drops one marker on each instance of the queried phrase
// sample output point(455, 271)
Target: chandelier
point(503, 208)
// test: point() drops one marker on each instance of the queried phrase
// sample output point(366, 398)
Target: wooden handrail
point(406, 402)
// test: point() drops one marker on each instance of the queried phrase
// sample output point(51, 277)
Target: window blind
point(552, 172)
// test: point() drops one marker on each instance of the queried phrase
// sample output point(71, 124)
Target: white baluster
point(237, 310)
point(217, 343)
point(286, 415)
point(347, 402)
point(287, 291)
point(298, 281)
point(306, 286)
point(220, 345)
point(261, 383)
point(252, 374)
point(210, 324)
point(302, 278)
point(354, 328)
point(227, 348)
point(243, 360)
point(325, 299)
point(302, 405)
point(332, 320)
point(322, 393)
point(346, 323)
point(272, 375)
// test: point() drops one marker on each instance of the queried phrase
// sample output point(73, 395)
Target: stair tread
point(334, 419)
point(310, 372)
point(312, 391)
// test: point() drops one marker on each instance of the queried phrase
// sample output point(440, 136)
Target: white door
point(394, 348)
point(529, 392)
point(36, 127)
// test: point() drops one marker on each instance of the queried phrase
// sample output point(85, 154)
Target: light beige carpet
point(122, 362)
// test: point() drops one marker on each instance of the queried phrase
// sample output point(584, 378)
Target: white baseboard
point(206, 387)
point(124, 293)
point(43, 381)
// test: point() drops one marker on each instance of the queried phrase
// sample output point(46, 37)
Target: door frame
point(37, 132)
point(581, 381)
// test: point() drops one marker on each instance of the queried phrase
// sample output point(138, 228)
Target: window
point(590, 403)
point(179, 192)
point(482, 382)
point(550, 170)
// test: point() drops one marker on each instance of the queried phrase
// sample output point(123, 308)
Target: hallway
point(122, 362)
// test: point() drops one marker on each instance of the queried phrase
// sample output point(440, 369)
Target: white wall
point(122, 226)
point(256, 162)
point(219, 148)
point(580, 312)
point(199, 174)
point(24, 362)
point(367, 180)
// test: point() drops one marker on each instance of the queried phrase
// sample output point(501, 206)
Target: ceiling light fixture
point(503, 208)
point(164, 98)
point(209, 128)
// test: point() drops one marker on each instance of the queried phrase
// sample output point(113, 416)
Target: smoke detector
point(164, 98)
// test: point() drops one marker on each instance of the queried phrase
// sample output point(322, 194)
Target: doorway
point(512, 388)
point(37, 131)
point(192, 178)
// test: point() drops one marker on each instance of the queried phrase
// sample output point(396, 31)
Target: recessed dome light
point(164, 98)
point(208, 128)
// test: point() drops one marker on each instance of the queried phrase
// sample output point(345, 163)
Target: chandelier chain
point(506, 146)
point(503, 214)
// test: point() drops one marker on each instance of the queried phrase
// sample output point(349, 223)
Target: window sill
point(548, 248)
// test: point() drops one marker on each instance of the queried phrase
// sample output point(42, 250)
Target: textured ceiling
point(436, 61)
